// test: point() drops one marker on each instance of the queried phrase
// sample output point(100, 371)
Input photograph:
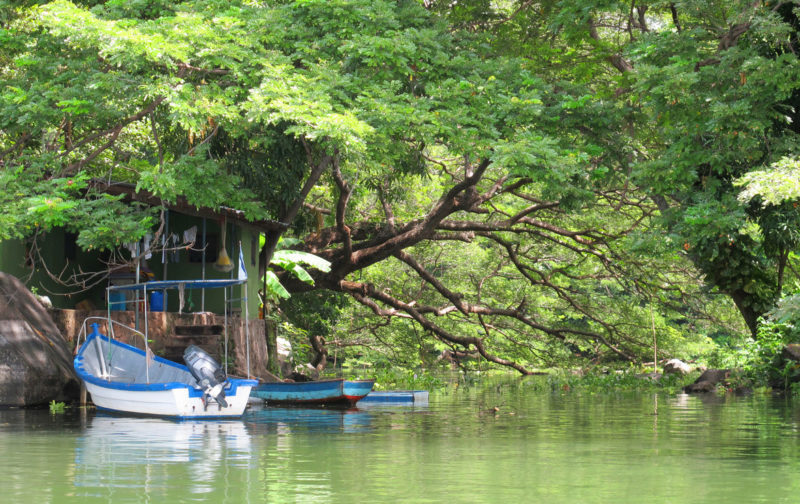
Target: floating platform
point(404, 397)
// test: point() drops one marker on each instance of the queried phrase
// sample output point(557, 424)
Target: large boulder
point(791, 352)
point(35, 361)
point(677, 366)
point(708, 381)
point(285, 356)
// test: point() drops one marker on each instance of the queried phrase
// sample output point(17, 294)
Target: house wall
point(53, 249)
point(12, 258)
point(55, 246)
point(185, 268)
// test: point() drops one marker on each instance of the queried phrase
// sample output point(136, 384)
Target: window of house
point(212, 246)
point(70, 246)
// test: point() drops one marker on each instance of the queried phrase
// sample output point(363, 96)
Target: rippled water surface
point(536, 447)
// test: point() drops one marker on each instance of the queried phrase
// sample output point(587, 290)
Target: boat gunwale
point(233, 383)
point(309, 384)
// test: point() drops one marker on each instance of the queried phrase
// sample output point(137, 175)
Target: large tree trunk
point(320, 359)
point(749, 315)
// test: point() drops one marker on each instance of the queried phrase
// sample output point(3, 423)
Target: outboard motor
point(208, 373)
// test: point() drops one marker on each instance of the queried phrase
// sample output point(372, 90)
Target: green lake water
point(565, 447)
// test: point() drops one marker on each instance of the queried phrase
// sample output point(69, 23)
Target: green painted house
point(73, 278)
point(191, 245)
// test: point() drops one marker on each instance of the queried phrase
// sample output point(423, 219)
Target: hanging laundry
point(132, 248)
point(181, 288)
point(147, 239)
point(174, 243)
point(190, 235)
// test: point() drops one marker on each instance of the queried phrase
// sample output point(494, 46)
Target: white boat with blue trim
point(126, 379)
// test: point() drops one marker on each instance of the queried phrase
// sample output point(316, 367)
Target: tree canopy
point(525, 182)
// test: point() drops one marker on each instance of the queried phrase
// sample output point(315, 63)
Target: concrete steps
point(207, 337)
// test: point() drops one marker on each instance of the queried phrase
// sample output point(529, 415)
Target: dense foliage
point(525, 184)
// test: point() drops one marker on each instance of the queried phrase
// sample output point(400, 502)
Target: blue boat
point(338, 392)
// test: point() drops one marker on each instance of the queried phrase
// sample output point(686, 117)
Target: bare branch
point(616, 60)
point(456, 299)
point(675, 19)
point(361, 292)
point(112, 132)
point(341, 208)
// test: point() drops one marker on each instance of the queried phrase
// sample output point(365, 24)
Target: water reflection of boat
point(309, 419)
point(338, 392)
point(117, 454)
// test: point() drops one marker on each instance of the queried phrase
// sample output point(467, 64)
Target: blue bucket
point(116, 301)
point(156, 301)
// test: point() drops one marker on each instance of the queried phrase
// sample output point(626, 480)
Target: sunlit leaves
point(287, 97)
point(274, 286)
point(290, 259)
point(293, 262)
point(774, 185)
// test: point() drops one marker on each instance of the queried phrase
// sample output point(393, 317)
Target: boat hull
point(343, 393)
point(122, 379)
point(177, 402)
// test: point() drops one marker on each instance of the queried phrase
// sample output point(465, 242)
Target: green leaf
point(287, 257)
point(274, 287)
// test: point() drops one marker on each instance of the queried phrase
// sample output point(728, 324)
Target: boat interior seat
point(129, 367)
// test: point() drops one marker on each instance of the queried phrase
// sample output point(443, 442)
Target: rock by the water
point(285, 356)
point(791, 352)
point(35, 361)
point(677, 366)
point(708, 381)
point(307, 370)
point(704, 386)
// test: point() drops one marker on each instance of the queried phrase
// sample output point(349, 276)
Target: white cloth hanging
point(174, 242)
point(180, 298)
point(190, 235)
point(147, 239)
point(131, 246)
